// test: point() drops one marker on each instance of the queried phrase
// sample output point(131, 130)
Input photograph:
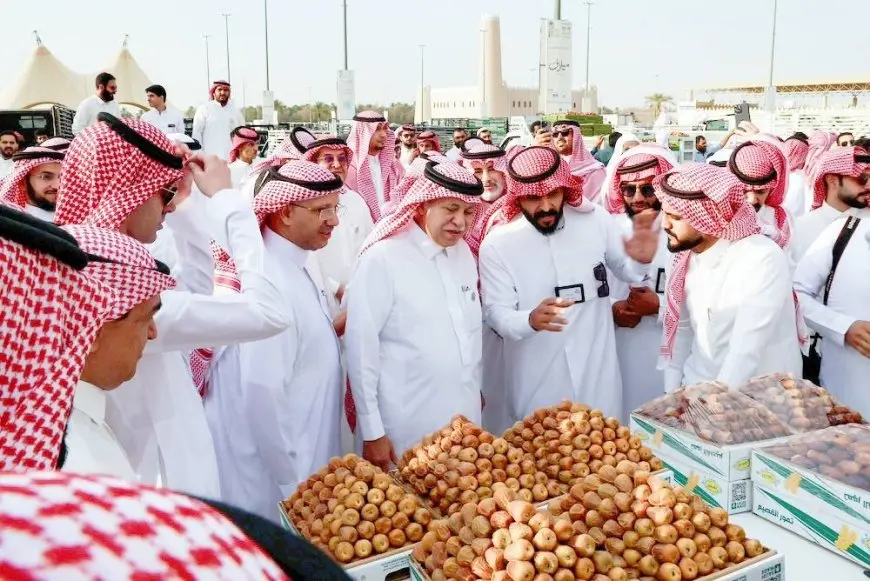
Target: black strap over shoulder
point(839, 247)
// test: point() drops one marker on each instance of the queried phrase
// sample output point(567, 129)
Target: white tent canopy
point(44, 79)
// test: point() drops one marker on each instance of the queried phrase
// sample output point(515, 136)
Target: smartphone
point(741, 113)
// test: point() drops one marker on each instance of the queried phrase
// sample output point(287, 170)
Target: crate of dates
point(801, 404)
point(827, 470)
point(707, 427)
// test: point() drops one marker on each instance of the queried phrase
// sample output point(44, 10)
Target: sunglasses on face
point(562, 133)
point(168, 194)
point(330, 159)
point(847, 143)
point(630, 190)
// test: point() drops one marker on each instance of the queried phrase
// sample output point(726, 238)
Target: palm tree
point(656, 100)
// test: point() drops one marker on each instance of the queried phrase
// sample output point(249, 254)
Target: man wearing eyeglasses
point(276, 410)
point(407, 144)
point(546, 290)
point(567, 140)
point(845, 139)
point(636, 307)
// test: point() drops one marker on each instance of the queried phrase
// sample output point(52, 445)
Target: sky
point(638, 46)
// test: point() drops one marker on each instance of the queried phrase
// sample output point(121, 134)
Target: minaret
point(492, 94)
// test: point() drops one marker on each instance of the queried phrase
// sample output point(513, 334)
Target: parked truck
point(54, 120)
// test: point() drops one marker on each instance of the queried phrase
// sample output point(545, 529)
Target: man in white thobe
point(545, 287)
point(160, 407)
point(102, 102)
point(163, 116)
point(414, 325)
point(842, 319)
point(32, 185)
point(830, 202)
point(374, 170)
point(280, 422)
point(636, 308)
point(136, 280)
point(730, 312)
point(407, 145)
point(245, 148)
point(215, 120)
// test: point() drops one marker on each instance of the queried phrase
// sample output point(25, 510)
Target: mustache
point(540, 215)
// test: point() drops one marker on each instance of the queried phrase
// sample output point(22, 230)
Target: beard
point(657, 206)
point(681, 245)
point(853, 201)
point(107, 96)
point(545, 230)
point(39, 202)
point(757, 207)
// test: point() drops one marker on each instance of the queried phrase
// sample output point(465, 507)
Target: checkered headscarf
point(535, 172)
point(582, 163)
point(712, 201)
point(241, 137)
point(293, 182)
point(820, 143)
point(13, 188)
point(110, 170)
point(290, 149)
point(59, 525)
point(431, 138)
point(359, 175)
point(761, 164)
point(439, 181)
point(796, 149)
point(644, 161)
point(328, 143)
point(50, 316)
point(838, 161)
point(484, 152)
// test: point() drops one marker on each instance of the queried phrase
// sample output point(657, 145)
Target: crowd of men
point(179, 313)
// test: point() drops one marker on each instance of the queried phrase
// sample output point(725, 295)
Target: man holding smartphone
point(566, 138)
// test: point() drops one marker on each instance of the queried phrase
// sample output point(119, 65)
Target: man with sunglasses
point(841, 187)
point(407, 144)
point(636, 307)
point(127, 176)
point(275, 404)
point(833, 295)
point(33, 183)
point(546, 291)
point(567, 140)
point(730, 312)
point(845, 139)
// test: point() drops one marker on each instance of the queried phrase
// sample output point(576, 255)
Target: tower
point(493, 99)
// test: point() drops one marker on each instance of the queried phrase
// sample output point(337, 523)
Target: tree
point(656, 101)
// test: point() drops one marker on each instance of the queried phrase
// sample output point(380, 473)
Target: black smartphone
point(741, 113)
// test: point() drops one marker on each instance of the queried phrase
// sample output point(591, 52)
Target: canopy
point(45, 79)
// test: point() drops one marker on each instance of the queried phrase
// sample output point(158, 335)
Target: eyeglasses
point(562, 133)
point(847, 143)
point(330, 159)
point(600, 274)
point(46, 176)
point(325, 214)
point(630, 190)
point(168, 194)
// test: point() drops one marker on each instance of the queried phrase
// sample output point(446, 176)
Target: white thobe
point(338, 257)
point(519, 268)
point(844, 369)
point(88, 109)
point(799, 195)
point(738, 316)
point(6, 166)
point(91, 446)
point(37, 212)
point(158, 416)
point(238, 172)
point(212, 125)
point(169, 121)
point(453, 154)
point(413, 337)
point(377, 178)
point(809, 226)
point(638, 349)
point(405, 156)
point(277, 421)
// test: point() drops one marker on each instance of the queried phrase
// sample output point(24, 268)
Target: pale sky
point(638, 46)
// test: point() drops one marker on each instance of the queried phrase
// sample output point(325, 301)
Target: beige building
point(491, 96)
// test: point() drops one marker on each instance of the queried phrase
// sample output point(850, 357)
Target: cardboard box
point(388, 566)
point(767, 567)
point(803, 518)
point(800, 485)
point(730, 463)
point(734, 496)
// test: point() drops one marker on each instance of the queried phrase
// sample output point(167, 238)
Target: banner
point(346, 98)
point(556, 67)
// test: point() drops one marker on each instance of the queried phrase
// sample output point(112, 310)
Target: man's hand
point(623, 316)
point(210, 173)
point(599, 141)
point(858, 337)
point(380, 452)
point(340, 322)
point(643, 301)
point(548, 315)
point(644, 242)
point(543, 136)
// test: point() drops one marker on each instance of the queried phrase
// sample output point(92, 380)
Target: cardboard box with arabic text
point(735, 496)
